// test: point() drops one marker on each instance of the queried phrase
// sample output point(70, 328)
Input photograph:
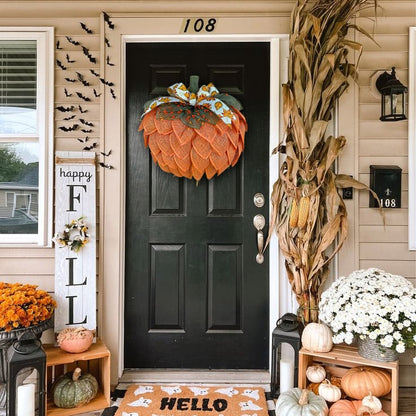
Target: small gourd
point(315, 373)
point(73, 389)
point(373, 403)
point(298, 402)
point(352, 408)
point(317, 337)
point(329, 392)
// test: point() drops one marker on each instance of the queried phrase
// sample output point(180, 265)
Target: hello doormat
point(159, 400)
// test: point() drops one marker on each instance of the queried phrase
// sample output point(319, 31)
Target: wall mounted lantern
point(392, 96)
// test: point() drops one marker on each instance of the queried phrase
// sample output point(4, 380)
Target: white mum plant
point(371, 303)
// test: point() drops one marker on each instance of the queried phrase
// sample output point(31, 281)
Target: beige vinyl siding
point(376, 142)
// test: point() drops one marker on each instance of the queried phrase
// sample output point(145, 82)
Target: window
point(26, 135)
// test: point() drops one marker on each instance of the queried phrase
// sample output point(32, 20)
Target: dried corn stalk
point(319, 73)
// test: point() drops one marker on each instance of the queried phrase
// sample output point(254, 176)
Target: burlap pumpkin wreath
point(194, 133)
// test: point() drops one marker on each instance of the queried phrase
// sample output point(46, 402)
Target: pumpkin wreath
point(194, 132)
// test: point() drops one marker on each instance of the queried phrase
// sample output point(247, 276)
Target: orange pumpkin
point(190, 140)
point(359, 382)
point(352, 408)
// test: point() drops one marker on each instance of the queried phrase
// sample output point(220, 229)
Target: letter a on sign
point(75, 265)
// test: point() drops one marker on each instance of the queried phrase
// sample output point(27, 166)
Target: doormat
point(169, 400)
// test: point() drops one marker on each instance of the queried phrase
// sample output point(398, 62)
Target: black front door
point(194, 295)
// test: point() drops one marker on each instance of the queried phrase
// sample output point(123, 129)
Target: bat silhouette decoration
point(108, 61)
point(69, 118)
point(107, 42)
point(81, 79)
point(106, 154)
point(96, 74)
point(70, 79)
point(71, 128)
point(93, 146)
point(104, 165)
point(58, 45)
point(108, 83)
point(86, 130)
point(61, 65)
point(86, 52)
point(83, 97)
point(72, 41)
point(96, 94)
point(110, 24)
point(87, 123)
point(113, 94)
point(70, 61)
point(63, 109)
point(84, 27)
point(81, 110)
point(67, 94)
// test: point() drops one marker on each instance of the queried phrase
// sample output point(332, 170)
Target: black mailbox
point(386, 182)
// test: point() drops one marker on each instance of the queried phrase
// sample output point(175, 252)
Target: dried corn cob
point(303, 211)
point(294, 213)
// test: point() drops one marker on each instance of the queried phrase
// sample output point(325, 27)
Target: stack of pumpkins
point(354, 394)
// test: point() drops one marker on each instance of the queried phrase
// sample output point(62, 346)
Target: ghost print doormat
point(169, 400)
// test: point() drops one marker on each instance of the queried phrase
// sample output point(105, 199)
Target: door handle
point(259, 222)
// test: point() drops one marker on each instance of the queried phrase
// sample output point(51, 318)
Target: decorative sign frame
point(75, 271)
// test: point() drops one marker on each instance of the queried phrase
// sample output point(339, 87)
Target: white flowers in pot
point(371, 303)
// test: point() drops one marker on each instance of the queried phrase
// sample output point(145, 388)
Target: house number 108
point(388, 203)
point(197, 25)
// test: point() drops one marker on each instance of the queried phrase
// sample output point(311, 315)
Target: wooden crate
point(343, 357)
point(95, 361)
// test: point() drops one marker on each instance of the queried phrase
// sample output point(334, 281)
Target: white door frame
point(112, 200)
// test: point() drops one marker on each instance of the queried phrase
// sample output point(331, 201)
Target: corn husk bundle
point(309, 215)
point(194, 133)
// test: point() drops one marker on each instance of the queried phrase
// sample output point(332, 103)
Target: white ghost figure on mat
point(249, 405)
point(197, 391)
point(230, 392)
point(143, 390)
point(253, 394)
point(141, 402)
point(171, 389)
point(129, 414)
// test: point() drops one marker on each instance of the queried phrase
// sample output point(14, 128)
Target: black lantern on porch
point(392, 96)
point(26, 364)
point(288, 331)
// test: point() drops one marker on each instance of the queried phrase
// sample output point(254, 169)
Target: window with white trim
point(26, 135)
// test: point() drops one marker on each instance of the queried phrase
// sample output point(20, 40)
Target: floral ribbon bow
point(204, 97)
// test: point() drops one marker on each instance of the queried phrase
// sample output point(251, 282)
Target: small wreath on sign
point(75, 235)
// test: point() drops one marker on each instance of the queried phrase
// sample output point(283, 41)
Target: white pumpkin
point(373, 403)
point(317, 337)
point(296, 402)
point(315, 373)
point(329, 392)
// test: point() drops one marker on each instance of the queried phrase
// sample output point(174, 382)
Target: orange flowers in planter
point(191, 134)
point(22, 306)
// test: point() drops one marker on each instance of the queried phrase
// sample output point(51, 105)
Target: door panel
point(194, 295)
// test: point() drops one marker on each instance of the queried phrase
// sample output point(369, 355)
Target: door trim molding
point(112, 199)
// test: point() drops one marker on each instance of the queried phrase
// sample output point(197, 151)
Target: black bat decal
point(108, 83)
point(60, 64)
point(86, 130)
point(107, 42)
point(69, 60)
point(106, 154)
point(67, 94)
point(86, 52)
point(113, 94)
point(108, 21)
point(70, 79)
point(83, 140)
point(96, 74)
point(58, 45)
point(87, 123)
point(63, 109)
point(83, 81)
point(83, 97)
point(96, 94)
point(72, 128)
point(81, 110)
point(72, 41)
point(106, 166)
point(84, 27)
point(108, 61)
point(93, 146)
point(69, 118)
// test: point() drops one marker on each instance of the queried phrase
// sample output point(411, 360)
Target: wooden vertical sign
point(75, 269)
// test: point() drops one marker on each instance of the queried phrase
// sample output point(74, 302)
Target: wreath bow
point(207, 96)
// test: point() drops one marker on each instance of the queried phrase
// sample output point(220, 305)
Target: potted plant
point(376, 308)
point(309, 215)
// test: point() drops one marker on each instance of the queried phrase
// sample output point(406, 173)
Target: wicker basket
point(369, 349)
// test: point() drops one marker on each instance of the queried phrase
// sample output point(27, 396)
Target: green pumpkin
point(73, 389)
point(297, 402)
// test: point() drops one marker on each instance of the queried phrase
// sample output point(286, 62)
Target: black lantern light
point(26, 390)
point(392, 96)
